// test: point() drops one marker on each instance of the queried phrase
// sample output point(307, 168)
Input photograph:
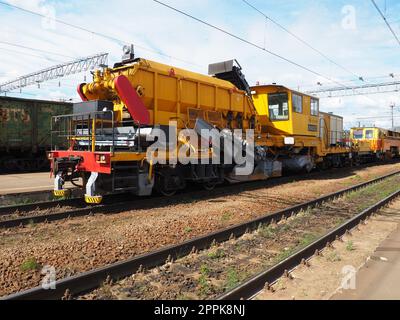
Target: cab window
point(314, 107)
point(369, 134)
point(297, 103)
point(278, 106)
point(358, 134)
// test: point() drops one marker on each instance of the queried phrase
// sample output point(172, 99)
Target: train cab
point(287, 112)
point(302, 136)
point(375, 142)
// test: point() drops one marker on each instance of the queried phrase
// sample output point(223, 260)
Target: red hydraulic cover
point(80, 92)
point(131, 99)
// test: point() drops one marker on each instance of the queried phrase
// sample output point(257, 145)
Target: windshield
point(369, 134)
point(358, 134)
point(278, 106)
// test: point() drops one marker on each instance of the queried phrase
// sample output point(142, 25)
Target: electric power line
point(29, 54)
point(99, 34)
point(36, 49)
point(387, 23)
point(301, 40)
point(249, 42)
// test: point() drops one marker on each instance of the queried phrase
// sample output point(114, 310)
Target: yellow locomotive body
point(171, 93)
point(373, 142)
point(108, 134)
point(108, 138)
point(293, 125)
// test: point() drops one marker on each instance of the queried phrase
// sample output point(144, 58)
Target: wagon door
point(45, 112)
point(323, 130)
point(16, 126)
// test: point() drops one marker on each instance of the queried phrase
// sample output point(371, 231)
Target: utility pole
point(392, 107)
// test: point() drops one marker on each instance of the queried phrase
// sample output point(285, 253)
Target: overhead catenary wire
point(302, 40)
point(250, 43)
point(36, 49)
point(386, 22)
point(29, 54)
point(99, 34)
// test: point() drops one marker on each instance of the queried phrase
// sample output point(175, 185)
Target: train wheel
point(166, 193)
point(162, 185)
point(209, 186)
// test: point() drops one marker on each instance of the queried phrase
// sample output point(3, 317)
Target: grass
point(205, 270)
point(30, 265)
point(188, 230)
point(204, 284)
point(216, 254)
point(333, 257)
point(226, 216)
point(307, 239)
point(31, 223)
point(373, 193)
point(268, 231)
point(238, 247)
point(232, 279)
point(284, 254)
point(303, 242)
point(350, 246)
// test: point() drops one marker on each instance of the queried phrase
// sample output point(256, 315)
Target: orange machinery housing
point(373, 142)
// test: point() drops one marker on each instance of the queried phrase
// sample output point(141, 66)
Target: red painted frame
point(88, 163)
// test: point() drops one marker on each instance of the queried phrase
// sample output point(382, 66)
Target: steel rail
point(110, 205)
point(135, 203)
point(42, 205)
point(90, 280)
point(253, 286)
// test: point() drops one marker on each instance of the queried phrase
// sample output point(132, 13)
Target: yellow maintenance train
point(145, 126)
point(375, 143)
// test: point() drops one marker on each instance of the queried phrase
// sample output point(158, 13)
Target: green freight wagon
point(25, 132)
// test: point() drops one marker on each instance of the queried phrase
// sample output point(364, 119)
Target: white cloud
point(34, 5)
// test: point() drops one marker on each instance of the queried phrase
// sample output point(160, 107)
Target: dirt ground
point(210, 273)
point(81, 244)
point(334, 271)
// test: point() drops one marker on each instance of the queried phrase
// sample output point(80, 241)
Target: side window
point(297, 103)
point(369, 134)
point(314, 107)
point(358, 134)
point(278, 106)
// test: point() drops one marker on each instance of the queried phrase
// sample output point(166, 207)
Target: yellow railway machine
point(375, 143)
point(297, 132)
point(129, 107)
point(109, 140)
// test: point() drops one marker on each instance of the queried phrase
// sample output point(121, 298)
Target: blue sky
point(366, 49)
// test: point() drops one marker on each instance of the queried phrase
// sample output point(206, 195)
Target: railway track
point(20, 215)
point(265, 279)
point(16, 216)
point(88, 281)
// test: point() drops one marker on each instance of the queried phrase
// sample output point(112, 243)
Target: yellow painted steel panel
point(167, 89)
